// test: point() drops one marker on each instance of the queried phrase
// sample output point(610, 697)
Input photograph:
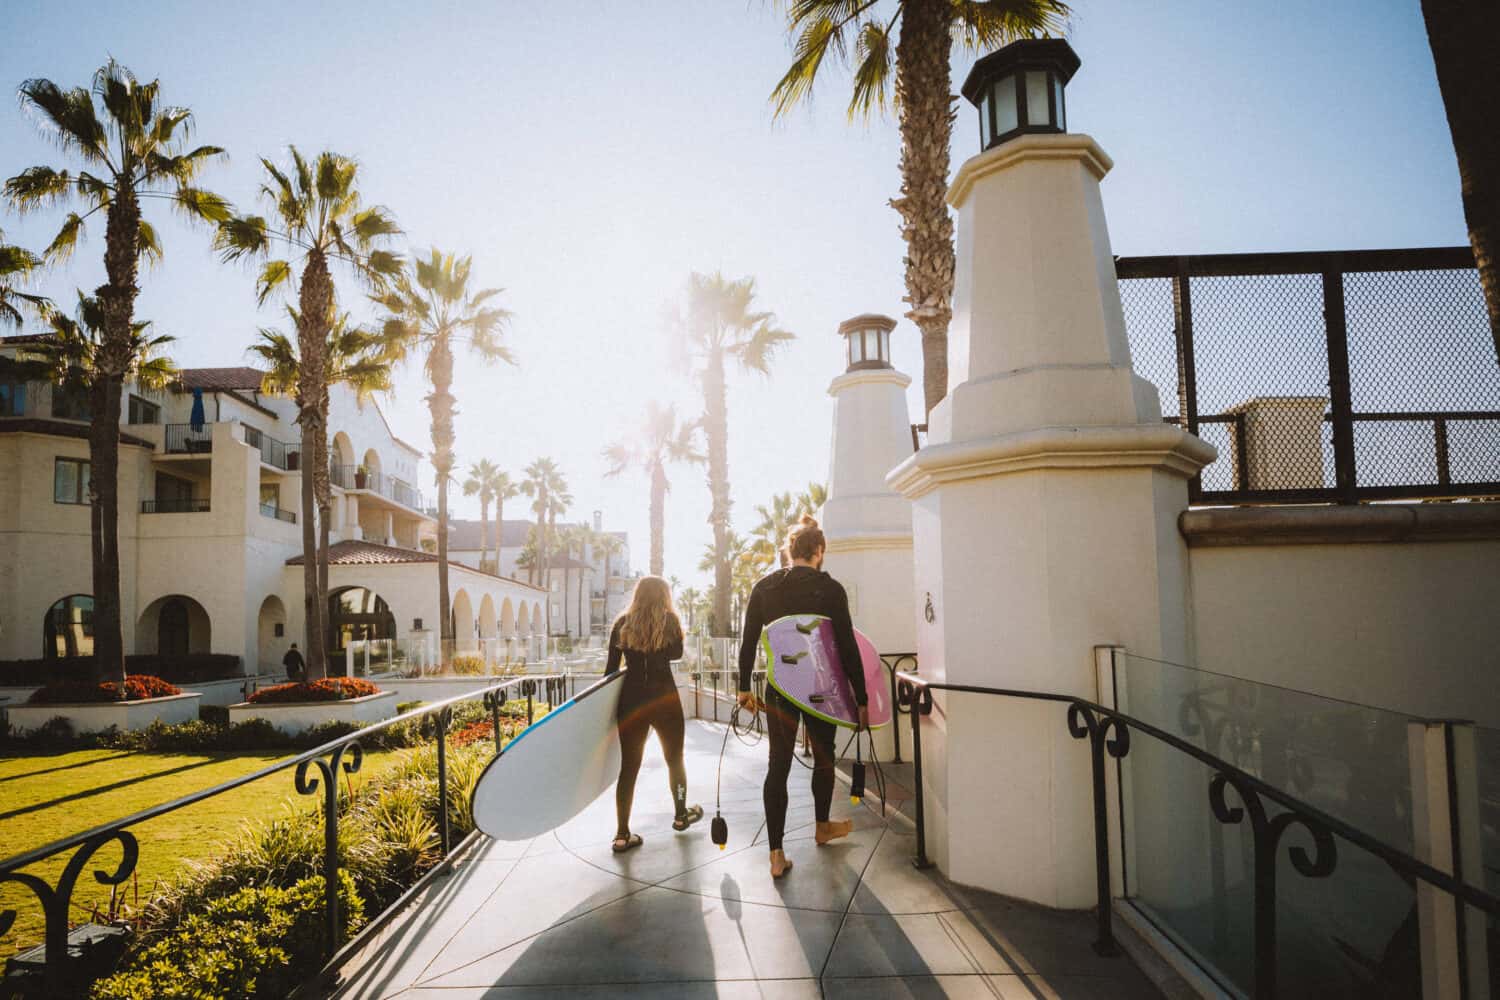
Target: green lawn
point(49, 796)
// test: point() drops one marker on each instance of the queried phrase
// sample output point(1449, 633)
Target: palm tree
point(608, 545)
point(544, 480)
point(689, 599)
point(721, 324)
point(16, 265)
point(352, 356)
point(484, 478)
point(1463, 36)
point(661, 439)
point(67, 356)
point(431, 307)
point(133, 149)
point(768, 533)
point(318, 220)
point(811, 499)
point(923, 98)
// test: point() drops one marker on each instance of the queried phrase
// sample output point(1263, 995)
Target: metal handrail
point(56, 901)
point(1108, 731)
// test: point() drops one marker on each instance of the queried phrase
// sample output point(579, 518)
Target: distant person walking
point(801, 589)
point(296, 667)
point(648, 637)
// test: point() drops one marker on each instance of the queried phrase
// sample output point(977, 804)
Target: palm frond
point(66, 240)
point(874, 58)
point(148, 242)
point(272, 276)
point(241, 236)
point(36, 187)
point(988, 24)
point(68, 115)
point(820, 27)
point(200, 205)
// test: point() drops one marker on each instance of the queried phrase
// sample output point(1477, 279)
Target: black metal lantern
point(867, 341)
point(1019, 89)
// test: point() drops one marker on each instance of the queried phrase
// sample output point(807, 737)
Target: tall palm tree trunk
point(484, 532)
point(583, 625)
point(499, 530)
point(567, 578)
point(924, 95)
point(717, 426)
point(325, 522)
point(658, 517)
point(1464, 35)
point(440, 403)
point(547, 537)
point(316, 305)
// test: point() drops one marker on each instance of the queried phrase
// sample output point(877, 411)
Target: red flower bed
point(138, 687)
point(327, 689)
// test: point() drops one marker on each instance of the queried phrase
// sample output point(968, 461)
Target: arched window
point(68, 629)
point(357, 613)
point(172, 628)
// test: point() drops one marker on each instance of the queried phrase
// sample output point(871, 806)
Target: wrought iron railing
point(1108, 732)
point(1323, 377)
point(314, 771)
point(177, 506)
point(350, 477)
point(271, 510)
point(278, 454)
point(182, 439)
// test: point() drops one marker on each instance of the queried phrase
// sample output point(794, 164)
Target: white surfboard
point(554, 768)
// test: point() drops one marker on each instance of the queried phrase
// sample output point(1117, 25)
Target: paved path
point(561, 916)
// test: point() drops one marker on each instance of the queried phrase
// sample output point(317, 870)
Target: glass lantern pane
point(1036, 98)
point(856, 349)
point(885, 345)
point(1005, 105)
point(985, 135)
point(1057, 102)
point(872, 349)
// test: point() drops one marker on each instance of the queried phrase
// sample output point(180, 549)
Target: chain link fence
point(1362, 375)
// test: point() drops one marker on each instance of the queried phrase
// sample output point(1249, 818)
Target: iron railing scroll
point(1108, 732)
point(315, 770)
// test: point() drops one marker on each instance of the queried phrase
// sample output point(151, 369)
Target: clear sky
point(590, 156)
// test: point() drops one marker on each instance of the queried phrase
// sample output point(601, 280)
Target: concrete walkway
point(563, 916)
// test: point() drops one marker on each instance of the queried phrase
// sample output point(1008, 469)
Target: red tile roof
point(355, 552)
point(221, 379)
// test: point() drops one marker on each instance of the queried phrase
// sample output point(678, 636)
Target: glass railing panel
point(1193, 876)
point(1487, 778)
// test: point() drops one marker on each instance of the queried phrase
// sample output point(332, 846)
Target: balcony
point(181, 439)
point(277, 454)
point(398, 491)
point(271, 510)
point(177, 506)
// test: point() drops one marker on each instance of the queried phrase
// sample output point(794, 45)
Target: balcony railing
point(178, 506)
point(181, 439)
point(278, 454)
point(271, 510)
point(398, 490)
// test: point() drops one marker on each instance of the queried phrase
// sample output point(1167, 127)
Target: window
point(70, 480)
point(143, 411)
point(12, 397)
point(173, 494)
point(70, 403)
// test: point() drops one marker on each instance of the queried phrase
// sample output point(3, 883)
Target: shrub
point(136, 688)
point(214, 715)
point(327, 689)
point(258, 941)
point(191, 668)
point(468, 666)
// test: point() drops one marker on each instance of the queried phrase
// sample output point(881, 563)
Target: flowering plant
point(137, 687)
point(327, 689)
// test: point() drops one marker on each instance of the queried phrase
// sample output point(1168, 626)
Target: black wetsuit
point(648, 700)
point(800, 590)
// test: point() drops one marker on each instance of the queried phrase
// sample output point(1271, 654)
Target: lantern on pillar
point(867, 341)
point(1019, 89)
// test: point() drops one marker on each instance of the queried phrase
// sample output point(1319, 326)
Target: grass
point(46, 797)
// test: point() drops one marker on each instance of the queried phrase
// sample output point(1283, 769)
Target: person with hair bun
point(800, 589)
point(648, 637)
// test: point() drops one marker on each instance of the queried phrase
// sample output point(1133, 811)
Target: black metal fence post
point(443, 717)
point(920, 703)
point(529, 687)
point(1187, 364)
point(1440, 445)
point(1340, 397)
point(1082, 723)
point(492, 702)
point(895, 729)
point(328, 772)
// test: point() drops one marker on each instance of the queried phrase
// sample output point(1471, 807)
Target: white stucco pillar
point(866, 522)
point(1044, 520)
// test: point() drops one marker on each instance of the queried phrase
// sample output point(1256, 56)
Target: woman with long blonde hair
point(648, 637)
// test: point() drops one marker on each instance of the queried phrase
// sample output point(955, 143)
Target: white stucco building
point(210, 544)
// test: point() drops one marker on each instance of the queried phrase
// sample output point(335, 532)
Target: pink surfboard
point(802, 662)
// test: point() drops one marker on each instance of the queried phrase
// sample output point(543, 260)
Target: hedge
point(194, 668)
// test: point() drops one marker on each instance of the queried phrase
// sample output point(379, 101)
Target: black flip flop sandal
point(633, 842)
point(687, 819)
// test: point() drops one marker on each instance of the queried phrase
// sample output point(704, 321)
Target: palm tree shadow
point(101, 789)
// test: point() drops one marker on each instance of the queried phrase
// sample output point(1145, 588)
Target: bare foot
point(833, 830)
point(780, 864)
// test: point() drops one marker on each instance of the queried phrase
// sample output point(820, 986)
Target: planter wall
point(300, 716)
point(234, 689)
point(430, 689)
point(98, 716)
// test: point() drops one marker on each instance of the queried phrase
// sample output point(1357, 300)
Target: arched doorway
point(271, 641)
point(174, 625)
point(538, 623)
point(507, 618)
point(487, 619)
point(68, 629)
point(523, 621)
point(463, 621)
point(358, 613)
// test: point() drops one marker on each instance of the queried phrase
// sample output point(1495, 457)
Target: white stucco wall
point(1410, 627)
